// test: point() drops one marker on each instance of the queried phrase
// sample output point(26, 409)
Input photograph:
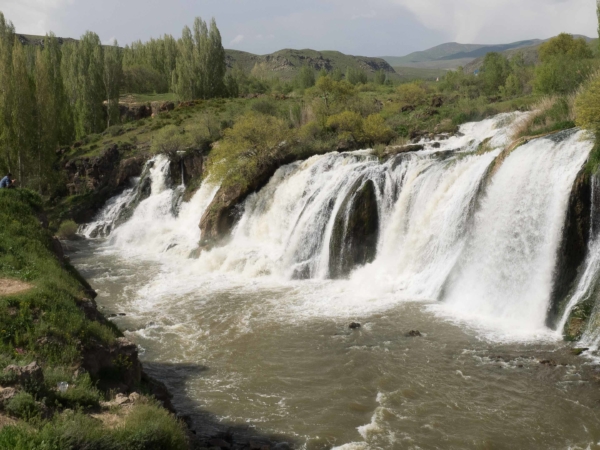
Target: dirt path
point(8, 286)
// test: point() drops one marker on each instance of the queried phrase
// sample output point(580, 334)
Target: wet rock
point(282, 446)
point(354, 326)
point(414, 333)
point(399, 149)
point(122, 314)
point(223, 212)
point(220, 443)
point(574, 246)
point(579, 351)
point(548, 362)
point(355, 231)
point(159, 391)
point(119, 361)
point(436, 145)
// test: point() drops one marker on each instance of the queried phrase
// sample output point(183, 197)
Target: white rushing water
point(484, 245)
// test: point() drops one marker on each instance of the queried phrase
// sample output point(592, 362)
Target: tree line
point(52, 94)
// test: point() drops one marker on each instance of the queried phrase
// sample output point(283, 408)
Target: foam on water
point(492, 268)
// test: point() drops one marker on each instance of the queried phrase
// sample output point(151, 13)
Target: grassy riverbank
point(49, 325)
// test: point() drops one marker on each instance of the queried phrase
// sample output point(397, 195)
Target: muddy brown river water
point(279, 359)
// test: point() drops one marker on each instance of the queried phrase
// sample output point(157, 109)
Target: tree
point(587, 106)
point(7, 39)
point(305, 78)
point(200, 67)
point(215, 65)
point(113, 77)
point(337, 74)
point(356, 76)
point(54, 124)
point(83, 76)
point(494, 73)
point(183, 75)
point(380, 77)
point(566, 62)
point(22, 131)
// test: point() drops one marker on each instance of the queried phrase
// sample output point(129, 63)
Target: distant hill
point(286, 63)
point(452, 55)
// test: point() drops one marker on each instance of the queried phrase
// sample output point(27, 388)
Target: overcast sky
point(360, 27)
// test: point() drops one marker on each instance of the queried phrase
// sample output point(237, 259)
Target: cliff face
point(574, 246)
point(94, 180)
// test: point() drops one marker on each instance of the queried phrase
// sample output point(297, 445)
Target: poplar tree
point(7, 38)
point(83, 76)
point(113, 75)
point(183, 75)
point(215, 67)
point(23, 116)
point(54, 124)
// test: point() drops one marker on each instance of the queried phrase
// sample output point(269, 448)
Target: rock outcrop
point(95, 179)
point(574, 246)
point(355, 231)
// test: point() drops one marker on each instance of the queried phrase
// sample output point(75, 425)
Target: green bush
point(170, 139)
point(67, 230)
point(23, 406)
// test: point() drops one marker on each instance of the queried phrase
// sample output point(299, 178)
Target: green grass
point(45, 324)
point(146, 427)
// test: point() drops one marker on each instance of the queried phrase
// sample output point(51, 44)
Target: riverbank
point(68, 377)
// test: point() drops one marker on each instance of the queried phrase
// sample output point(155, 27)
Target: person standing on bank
point(7, 182)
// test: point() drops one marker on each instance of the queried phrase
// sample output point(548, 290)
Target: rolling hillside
point(452, 55)
point(286, 63)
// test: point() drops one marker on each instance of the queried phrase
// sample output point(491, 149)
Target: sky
point(359, 27)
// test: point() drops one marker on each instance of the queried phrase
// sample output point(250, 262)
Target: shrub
point(265, 106)
point(67, 230)
point(23, 406)
point(253, 141)
point(170, 139)
point(376, 131)
point(115, 130)
point(412, 93)
point(587, 105)
point(347, 124)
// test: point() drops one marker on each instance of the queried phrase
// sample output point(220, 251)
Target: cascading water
point(256, 331)
point(505, 275)
point(494, 266)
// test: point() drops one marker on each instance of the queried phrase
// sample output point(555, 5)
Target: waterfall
point(505, 275)
point(437, 224)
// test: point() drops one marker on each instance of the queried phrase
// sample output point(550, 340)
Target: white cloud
point(32, 16)
point(504, 20)
point(237, 40)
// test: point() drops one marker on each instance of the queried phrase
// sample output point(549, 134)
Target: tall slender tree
point(7, 38)
point(113, 75)
point(216, 66)
point(22, 111)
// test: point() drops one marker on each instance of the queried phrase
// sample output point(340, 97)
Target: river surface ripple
point(280, 358)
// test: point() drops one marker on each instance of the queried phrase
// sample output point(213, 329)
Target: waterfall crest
point(427, 225)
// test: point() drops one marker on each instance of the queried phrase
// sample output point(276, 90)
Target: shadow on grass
point(209, 432)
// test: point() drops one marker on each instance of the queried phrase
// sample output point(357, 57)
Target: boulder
point(6, 394)
point(414, 333)
point(354, 326)
point(355, 231)
point(118, 362)
point(30, 375)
